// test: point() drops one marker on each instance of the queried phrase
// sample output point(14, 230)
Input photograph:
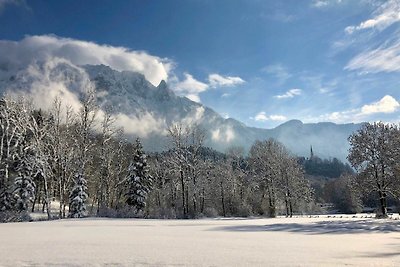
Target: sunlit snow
point(329, 241)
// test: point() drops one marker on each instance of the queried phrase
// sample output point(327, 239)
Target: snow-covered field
point(320, 241)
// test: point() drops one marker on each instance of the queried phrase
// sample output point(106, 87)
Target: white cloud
point(290, 94)
point(262, 116)
point(225, 115)
point(277, 118)
point(324, 90)
point(40, 48)
point(386, 105)
point(189, 87)
point(382, 59)
point(338, 117)
point(194, 97)
point(224, 95)
point(43, 83)
point(142, 125)
point(19, 54)
point(216, 80)
point(320, 3)
point(223, 134)
point(384, 16)
point(59, 78)
point(325, 3)
point(194, 117)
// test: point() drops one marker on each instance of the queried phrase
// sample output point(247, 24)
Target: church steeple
point(311, 153)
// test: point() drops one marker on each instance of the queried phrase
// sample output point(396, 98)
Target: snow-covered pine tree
point(77, 198)
point(24, 186)
point(138, 179)
point(85, 122)
point(6, 201)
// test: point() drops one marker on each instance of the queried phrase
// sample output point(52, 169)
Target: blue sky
point(261, 62)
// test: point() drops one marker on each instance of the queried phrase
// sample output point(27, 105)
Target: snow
point(318, 241)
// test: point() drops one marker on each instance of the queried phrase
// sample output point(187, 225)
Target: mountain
point(146, 110)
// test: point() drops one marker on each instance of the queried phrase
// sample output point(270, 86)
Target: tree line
point(74, 157)
point(191, 180)
point(80, 160)
point(330, 168)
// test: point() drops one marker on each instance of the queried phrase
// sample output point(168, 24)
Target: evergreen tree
point(85, 122)
point(77, 198)
point(24, 191)
point(138, 179)
point(24, 186)
point(6, 202)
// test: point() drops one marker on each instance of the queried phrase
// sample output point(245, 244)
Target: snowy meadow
point(302, 241)
point(113, 192)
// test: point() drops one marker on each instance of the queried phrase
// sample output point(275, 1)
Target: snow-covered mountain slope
point(146, 110)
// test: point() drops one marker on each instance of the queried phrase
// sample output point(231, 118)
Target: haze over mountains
point(146, 110)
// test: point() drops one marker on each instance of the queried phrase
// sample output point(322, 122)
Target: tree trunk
point(202, 201)
point(382, 200)
point(61, 198)
point(183, 193)
point(64, 208)
point(187, 201)
point(194, 204)
point(287, 207)
point(158, 199)
point(223, 200)
point(271, 202)
point(34, 200)
point(47, 201)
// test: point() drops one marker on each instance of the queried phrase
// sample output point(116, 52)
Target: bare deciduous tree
point(374, 153)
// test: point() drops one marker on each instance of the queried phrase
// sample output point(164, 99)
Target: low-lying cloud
point(386, 105)
point(58, 78)
point(223, 134)
point(194, 117)
point(141, 125)
point(15, 55)
point(48, 67)
point(262, 116)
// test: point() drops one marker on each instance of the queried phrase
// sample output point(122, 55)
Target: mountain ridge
point(148, 109)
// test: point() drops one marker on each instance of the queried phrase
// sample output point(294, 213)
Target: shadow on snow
point(323, 227)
